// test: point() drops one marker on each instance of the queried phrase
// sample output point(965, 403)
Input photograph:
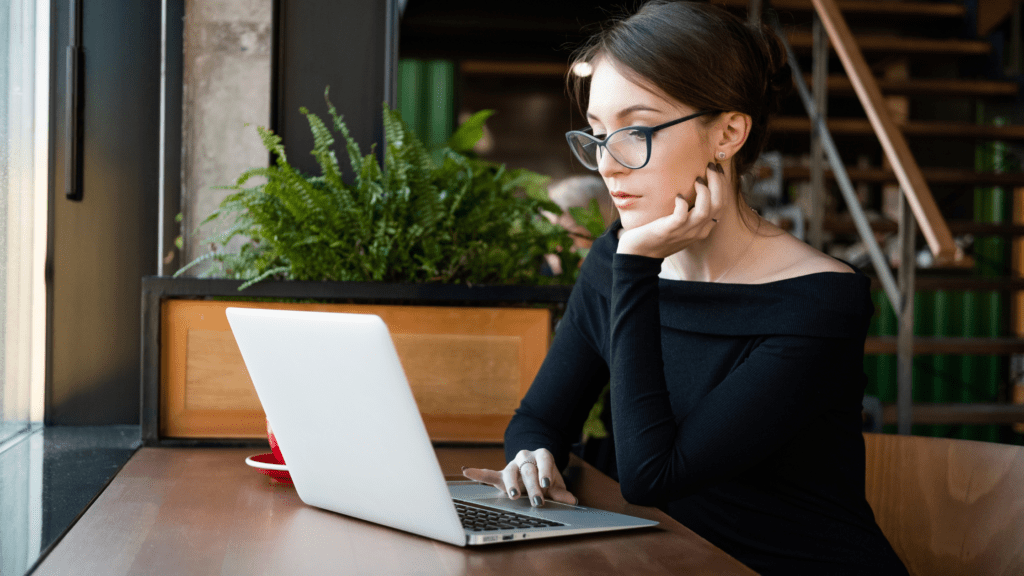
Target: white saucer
point(251, 461)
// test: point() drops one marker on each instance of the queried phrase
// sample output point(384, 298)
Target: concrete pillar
point(227, 85)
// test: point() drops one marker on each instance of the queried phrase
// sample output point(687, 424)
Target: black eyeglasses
point(629, 146)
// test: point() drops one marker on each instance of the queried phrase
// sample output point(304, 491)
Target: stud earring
point(721, 155)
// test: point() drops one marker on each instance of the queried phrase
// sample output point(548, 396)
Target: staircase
point(943, 82)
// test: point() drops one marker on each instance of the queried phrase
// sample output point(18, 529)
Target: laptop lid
point(337, 397)
point(335, 393)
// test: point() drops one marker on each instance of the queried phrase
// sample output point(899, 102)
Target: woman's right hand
point(673, 232)
point(532, 472)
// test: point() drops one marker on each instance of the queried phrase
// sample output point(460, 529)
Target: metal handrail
point(912, 182)
point(878, 259)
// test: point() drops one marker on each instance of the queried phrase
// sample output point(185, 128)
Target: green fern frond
point(325, 157)
point(354, 154)
point(200, 259)
point(264, 276)
point(469, 133)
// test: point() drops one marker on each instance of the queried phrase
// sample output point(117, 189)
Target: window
point(24, 73)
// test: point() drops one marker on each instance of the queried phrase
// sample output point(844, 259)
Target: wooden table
point(202, 511)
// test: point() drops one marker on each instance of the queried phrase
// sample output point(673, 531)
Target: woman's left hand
point(670, 234)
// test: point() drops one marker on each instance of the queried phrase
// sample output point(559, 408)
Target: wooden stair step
point(843, 224)
point(865, 7)
point(873, 43)
point(932, 175)
point(927, 283)
point(916, 128)
point(925, 345)
point(943, 87)
point(949, 413)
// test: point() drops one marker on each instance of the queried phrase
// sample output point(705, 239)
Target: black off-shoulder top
point(736, 408)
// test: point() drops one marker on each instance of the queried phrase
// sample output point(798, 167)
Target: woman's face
point(679, 154)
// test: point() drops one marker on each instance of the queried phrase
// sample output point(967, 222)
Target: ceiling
point(523, 30)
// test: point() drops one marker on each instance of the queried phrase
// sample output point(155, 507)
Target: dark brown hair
point(702, 56)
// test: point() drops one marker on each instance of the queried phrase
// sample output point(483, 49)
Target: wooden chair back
point(948, 507)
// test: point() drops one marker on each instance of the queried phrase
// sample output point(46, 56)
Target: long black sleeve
point(552, 413)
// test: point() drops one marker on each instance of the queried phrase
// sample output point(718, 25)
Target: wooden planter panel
point(467, 367)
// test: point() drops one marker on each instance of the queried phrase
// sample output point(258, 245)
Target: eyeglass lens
point(628, 147)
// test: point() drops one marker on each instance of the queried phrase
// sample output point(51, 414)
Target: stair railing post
point(754, 12)
point(819, 88)
point(1014, 66)
point(905, 334)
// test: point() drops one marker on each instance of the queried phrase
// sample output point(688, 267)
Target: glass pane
point(17, 72)
point(21, 491)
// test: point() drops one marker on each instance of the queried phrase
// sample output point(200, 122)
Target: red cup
point(273, 444)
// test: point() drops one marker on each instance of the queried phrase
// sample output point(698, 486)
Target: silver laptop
point(343, 413)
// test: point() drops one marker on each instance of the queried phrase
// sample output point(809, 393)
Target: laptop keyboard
point(483, 519)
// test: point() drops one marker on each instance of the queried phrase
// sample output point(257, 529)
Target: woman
point(735, 351)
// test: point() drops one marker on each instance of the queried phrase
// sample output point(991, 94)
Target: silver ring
point(528, 462)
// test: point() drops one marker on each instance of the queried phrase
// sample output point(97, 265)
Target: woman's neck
point(728, 250)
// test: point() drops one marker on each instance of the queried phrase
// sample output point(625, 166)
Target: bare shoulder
point(820, 262)
point(792, 258)
point(830, 264)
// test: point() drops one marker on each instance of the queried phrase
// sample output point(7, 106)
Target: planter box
point(470, 353)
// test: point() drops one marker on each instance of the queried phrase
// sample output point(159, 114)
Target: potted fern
point(462, 220)
point(437, 244)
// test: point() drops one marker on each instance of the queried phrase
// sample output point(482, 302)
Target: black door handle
point(73, 105)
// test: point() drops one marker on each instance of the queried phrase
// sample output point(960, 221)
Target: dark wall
point(344, 44)
point(100, 247)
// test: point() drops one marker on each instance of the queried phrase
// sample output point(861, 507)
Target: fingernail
point(545, 482)
point(512, 493)
point(711, 166)
point(702, 181)
point(536, 501)
point(719, 169)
